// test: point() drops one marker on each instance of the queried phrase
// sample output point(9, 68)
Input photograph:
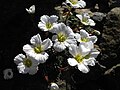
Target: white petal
point(28, 49)
point(85, 23)
point(82, 3)
point(94, 53)
point(90, 61)
point(53, 18)
point(93, 39)
point(84, 34)
point(54, 38)
point(83, 50)
point(36, 40)
point(19, 58)
point(33, 70)
point(44, 18)
point(76, 5)
point(73, 50)
point(78, 37)
point(42, 26)
point(62, 27)
point(91, 22)
point(71, 40)
point(41, 57)
point(83, 68)
point(54, 86)
point(79, 16)
point(31, 10)
point(72, 62)
point(69, 31)
point(21, 68)
point(53, 28)
point(47, 43)
point(34, 61)
point(59, 46)
point(88, 45)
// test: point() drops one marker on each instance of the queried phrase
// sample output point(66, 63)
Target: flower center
point(61, 37)
point(38, 49)
point(79, 58)
point(84, 39)
point(84, 19)
point(74, 1)
point(49, 25)
point(27, 62)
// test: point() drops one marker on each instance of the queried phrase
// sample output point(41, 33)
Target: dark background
point(16, 29)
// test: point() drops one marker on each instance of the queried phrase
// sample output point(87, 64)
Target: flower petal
point(91, 22)
point(36, 40)
point(54, 86)
point(78, 37)
point(71, 40)
point(44, 19)
point(53, 18)
point(84, 34)
point(41, 57)
point(47, 43)
point(94, 53)
point(83, 68)
point(82, 3)
point(42, 26)
point(21, 68)
point(33, 70)
point(31, 10)
point(28, 49)
point(83, 50)
point(73, 50)
point(88, 45)
point(93, 39)
point(19, 58)
point(54, 38)
point(59, 46)
point(90, 61)
point(72, 62)
point(79, 16)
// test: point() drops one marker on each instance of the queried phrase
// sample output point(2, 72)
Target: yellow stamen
point(84, 39)
point(38, 49)
point(27, 62)
point(49, 25)
point(61, 37)
point(79, 58)
point(74, 1)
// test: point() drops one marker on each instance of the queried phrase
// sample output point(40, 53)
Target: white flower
point(54, 86)
point(8, 74)
point(84, 36)
point(31, 10)
point(26, 64)
point(38, 47)
point(85, 19)
point(82, 57)
point(48, 23)
point(76, 3)
point(64, 37)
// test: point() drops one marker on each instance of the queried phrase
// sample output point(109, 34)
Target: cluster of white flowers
point(63, 37)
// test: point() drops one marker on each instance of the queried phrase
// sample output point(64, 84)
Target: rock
point(114, 3)
point(98, 16)
point(110, 42)
point(102, 5)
